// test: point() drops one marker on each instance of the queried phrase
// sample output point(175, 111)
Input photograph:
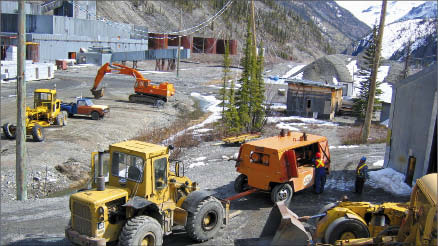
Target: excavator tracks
point(147, 99)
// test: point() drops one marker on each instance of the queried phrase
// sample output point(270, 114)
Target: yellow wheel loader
point(362, 223)
point(142, 200)
point(46, 112)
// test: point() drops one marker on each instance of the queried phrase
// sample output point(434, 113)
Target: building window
point(309, 103)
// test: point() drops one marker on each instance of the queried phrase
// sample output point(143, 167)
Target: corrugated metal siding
point(11, 7)
point(91, 28)
point(54, 47)
point(34, 23)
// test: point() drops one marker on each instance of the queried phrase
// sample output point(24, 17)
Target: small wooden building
point(313, 99)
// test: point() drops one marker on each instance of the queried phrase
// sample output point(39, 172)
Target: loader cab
point(141, 167)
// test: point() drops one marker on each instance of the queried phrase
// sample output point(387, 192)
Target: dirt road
point(42, 221)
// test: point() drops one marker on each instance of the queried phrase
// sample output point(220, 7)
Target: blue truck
point(84, 106)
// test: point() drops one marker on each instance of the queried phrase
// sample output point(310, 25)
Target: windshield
point(127, 166)
point(88, 102)
point(42, 97)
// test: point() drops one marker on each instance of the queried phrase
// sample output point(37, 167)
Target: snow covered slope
point(406, 21)
point(369, 11)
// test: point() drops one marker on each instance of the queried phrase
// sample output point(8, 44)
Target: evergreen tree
point(361, 102)
point(232, 115)
point(259, 93)
point(243, 95)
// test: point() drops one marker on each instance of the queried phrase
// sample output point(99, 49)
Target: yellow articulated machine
point(362, 223)
point(142, 200)
point(46, 112)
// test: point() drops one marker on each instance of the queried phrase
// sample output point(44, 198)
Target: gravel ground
point(42, 221)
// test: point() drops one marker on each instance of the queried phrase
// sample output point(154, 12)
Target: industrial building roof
point(312, 83)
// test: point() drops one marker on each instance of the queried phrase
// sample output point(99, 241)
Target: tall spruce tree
point(244, 93)
point(361, 102)
point(230, 115)
point(232, 121)
point(259, 93)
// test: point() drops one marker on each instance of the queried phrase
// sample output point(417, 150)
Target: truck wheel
point(241, 183)
point(58, 120)
point(141, 230)
point(95, 115)
point(64, 118)
point(38, 133)
point(343, 228)
point(10, 131)
point(206, 221)
point(282, 192)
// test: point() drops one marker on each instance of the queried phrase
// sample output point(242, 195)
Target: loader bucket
point(284, 228)
point(97, 93)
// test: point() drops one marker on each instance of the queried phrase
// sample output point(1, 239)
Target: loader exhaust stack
point(100, 179)
point(282, 226)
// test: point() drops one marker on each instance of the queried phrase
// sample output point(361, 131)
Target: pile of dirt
point(74, 170)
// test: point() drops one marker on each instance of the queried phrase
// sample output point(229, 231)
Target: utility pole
point(179, 42)
point(408, 56)
point(253, 26)
point(20, 164)
point(369, 113)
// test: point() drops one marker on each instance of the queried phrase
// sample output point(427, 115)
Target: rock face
point(337, 24)
point(328, 69)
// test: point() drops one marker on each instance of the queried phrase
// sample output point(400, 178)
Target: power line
point(187, 31)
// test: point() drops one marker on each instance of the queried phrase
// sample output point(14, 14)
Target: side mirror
point(177, 169)
point(169, 148)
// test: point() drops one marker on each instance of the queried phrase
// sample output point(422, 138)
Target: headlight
point(101, 210)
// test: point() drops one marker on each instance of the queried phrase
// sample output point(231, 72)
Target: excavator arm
point(117, 69)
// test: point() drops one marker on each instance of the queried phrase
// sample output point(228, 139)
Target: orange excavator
point(145, 91)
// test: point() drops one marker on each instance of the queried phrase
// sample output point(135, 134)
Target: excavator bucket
point(97, 93)
point(284, 228)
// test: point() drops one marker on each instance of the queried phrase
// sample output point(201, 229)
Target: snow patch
point(202, 158)
point(302, 119)
point(389, 180)
point(197, 164)
point(286, 126)
point(378, 163)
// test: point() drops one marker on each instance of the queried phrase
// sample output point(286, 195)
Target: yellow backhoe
point(362, 223)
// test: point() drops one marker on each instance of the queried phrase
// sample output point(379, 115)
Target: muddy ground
point(42, 221)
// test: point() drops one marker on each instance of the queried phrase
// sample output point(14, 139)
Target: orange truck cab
point(281, 164)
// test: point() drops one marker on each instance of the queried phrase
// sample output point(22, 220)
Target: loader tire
point(38, 133)
point(326, 208)
point(64, 118)
point(241, 183)
point(59, 120)
point(141, 230)
point(282, 192)
point(10, 131)
point(95, 115)
point(206, 221)
point(344, 228)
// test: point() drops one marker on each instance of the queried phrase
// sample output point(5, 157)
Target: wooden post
point(372, 95)
point(20, 164)
point(253, 27)
point(179, 43)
